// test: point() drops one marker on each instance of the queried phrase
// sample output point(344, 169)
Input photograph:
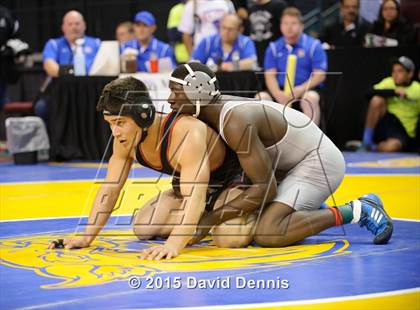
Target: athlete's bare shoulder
point(188, 123)
point(188, 129)
point(188, 141)
point(253, 118)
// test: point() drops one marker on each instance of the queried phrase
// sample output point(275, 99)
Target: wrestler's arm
point(192, 157)
point(105, 199)
point(242, 137)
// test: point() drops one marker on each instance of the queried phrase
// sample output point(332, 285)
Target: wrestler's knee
point(272, 217)
point(265, 235)
point(232, 241)
point(271, 241)
point(271, 229)
point(144, 233)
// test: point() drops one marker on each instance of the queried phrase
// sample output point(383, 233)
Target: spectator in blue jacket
point(60, 51)
point(229, 50)
point(146, 45)
point(310, 67)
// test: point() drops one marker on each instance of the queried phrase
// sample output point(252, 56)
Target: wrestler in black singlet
point(228, 174)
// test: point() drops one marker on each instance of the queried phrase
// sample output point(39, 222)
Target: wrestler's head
point(127, 108)
point(192, 85)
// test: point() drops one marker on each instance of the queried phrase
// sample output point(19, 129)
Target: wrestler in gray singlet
point(310, 165)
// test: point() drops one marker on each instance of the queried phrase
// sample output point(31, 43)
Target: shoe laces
point(370, 225)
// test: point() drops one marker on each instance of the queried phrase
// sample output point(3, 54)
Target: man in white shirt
point(202, 18)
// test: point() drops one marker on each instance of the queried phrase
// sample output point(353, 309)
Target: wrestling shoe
point(374, 217)
point(324, 206)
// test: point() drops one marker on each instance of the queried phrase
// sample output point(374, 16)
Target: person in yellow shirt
point(394, 111)
point(175, 37)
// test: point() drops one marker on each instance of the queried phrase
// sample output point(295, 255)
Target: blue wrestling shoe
point(374, 217)
point(324, 206)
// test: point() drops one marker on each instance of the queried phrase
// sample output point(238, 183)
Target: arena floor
point(338, 269)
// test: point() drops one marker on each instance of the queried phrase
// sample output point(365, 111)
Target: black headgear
point(139, 107)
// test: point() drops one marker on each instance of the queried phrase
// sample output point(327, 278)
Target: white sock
point(357, 211)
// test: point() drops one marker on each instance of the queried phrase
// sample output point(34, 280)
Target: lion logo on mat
point(115, 257)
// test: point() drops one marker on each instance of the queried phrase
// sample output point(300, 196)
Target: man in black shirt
point(349, 29)
point(264, 20)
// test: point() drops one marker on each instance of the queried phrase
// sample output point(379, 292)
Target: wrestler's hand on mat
point(77, 242)
point(70, 243)
point(159, 252)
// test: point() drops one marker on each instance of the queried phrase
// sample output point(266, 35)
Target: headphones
point(198, 86)
point(140, 108)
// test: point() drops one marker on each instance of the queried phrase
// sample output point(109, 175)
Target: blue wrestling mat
point(338, 269)
point(337, 263)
